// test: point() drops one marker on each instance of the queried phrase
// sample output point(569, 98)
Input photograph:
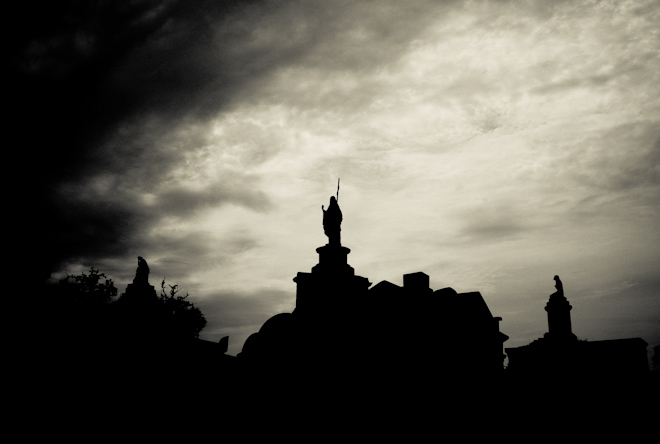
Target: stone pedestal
point(331, 285)
point(333, 259)
point(140, 293)
point(559, 318)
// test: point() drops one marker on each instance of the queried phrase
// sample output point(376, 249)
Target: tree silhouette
point(84, 308)
point(182, 319)
point(86, 289)
point(76, 322)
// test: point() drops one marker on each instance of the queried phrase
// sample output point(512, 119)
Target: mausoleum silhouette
point(561, 354)
point(342, 325)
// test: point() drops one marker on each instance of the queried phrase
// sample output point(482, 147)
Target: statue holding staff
point(332, 218)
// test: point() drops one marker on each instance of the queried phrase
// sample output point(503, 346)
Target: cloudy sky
point(490, 144)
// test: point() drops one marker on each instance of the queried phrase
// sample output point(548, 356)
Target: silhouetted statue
point(332, 222)
point(559, 315)
point(559, 286)
point(142, 272)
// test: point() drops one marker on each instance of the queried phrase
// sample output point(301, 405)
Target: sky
point(489, 144)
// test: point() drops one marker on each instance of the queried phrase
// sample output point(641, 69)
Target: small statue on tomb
point(142, 272)
point(559, 294)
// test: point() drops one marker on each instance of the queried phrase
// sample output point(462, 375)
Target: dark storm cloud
point(88, 75)
point(101, 88)
point(191, 252)
point(110, 219)
point(176, 257)
point(181, 202)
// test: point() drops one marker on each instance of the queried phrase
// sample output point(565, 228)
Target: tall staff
point(337, 190)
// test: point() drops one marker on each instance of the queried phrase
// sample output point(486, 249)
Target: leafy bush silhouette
point(86, 289)
point(77, 308)
point(182, 320)
point(84, 334)
point(84, 308)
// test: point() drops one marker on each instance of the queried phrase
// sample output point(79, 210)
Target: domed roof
point(251, 345)
point(279, 323)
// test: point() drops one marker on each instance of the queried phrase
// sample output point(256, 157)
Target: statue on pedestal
point(142, 272)
point(559, 294)
point(332, 222)
point(140, 291)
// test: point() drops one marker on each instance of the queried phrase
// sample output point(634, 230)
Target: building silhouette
point(343, 327)
point(382, 353)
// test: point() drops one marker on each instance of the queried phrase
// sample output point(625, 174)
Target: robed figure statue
point(142, 272)
point(559, 294)
point(332, 222)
